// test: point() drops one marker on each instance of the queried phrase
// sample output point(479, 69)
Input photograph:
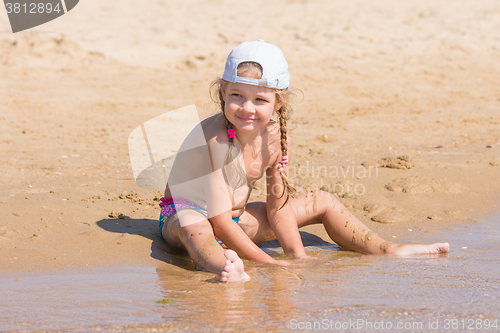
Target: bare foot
point(405, 250)
point(233, 271)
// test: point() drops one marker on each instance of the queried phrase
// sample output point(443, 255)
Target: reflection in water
point(338, 287)
point(203, 301)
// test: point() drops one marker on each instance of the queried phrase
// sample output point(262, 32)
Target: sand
point(409, 91)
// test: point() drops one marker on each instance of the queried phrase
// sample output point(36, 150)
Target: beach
point(396, 113)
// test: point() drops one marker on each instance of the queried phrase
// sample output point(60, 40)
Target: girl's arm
point(219, 209)
point(283, 221)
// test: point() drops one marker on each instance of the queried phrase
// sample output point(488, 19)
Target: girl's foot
point(233, 271)
point(405, 250)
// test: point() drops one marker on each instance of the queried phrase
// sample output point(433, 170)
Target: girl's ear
point(277, 105)
point(278, 102)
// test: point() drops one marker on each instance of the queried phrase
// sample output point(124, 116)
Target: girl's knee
point(326, 199)
point(330, 202)
point(324, 195)
point(322, 201)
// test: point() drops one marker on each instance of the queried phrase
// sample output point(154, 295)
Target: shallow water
point(341, 291)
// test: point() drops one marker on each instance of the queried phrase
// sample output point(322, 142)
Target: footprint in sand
point(5, 233)
point(417, 185)
point(400, 162)
point(373, 208)
point(119, 216)
point(391, 217)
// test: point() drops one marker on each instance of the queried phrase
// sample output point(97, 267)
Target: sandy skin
point(312, 208)
point(340, 224)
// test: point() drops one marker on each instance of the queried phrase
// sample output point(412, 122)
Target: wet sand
point(341, 288)
point(409, 91)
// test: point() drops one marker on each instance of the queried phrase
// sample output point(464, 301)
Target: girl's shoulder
point(273, 133)
point(272, 142)
point(214, 128)
point(273, 128)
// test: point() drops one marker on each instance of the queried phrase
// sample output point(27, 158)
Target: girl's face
point(248, 107)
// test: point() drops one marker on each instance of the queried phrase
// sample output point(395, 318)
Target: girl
point(205, 202)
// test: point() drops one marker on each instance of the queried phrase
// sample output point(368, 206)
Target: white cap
point(269, 57)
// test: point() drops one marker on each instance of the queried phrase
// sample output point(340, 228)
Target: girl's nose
point(247, 106)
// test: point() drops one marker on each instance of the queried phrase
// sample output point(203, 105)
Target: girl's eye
point(236, 95)
point(262, 100)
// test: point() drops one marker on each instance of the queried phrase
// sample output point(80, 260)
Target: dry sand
point(410, 89)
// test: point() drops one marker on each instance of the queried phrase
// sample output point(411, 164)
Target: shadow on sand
point(148, 228)
point(161, 251)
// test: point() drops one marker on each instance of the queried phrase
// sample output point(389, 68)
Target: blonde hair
point(284, 113)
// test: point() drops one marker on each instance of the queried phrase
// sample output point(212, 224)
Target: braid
point(283, 132)
point(288, 188)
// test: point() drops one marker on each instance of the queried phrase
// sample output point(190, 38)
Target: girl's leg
point(342, 227)
point(197, 238)
point(347, 231)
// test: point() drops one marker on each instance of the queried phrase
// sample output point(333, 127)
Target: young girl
point(205, 202)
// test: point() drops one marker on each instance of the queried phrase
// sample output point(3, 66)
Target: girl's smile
point(246, 120)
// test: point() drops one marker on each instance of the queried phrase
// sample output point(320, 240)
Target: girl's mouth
point(246, 120)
